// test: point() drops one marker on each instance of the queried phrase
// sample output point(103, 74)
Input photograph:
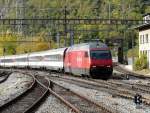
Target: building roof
point(146, 14)
point(143, 27)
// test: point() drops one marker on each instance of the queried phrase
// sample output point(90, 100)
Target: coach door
point(85, 61)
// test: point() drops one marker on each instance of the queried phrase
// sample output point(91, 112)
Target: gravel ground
point(15, 85)
point(119, 104)
point(142, 82)
point(53, 105)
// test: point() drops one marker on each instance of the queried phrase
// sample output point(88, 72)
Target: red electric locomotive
point(89, 59)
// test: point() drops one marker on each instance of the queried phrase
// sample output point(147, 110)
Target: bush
point(133, 52)
point(141, 63)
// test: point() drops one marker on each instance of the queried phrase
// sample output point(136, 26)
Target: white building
point(144, 37)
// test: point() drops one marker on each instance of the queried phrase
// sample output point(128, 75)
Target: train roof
point(89, 45)
point(40, 53)
point(14, 56)
point(49, 52)
point(92, 44)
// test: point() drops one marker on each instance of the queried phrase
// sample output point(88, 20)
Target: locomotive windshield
point(100, 54)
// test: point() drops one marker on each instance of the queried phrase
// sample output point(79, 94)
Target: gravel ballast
point(119, 104)
point(53, 105)
point(15, 85)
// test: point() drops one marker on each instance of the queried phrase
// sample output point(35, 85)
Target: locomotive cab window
point(100, 54)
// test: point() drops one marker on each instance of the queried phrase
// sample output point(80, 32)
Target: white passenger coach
point(51, 59)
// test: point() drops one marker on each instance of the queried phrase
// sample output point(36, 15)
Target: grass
point(144, 71)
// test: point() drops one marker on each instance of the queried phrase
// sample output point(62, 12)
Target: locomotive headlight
point(93, 66)
point(108, 66)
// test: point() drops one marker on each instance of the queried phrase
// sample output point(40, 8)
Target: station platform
point(129, 68)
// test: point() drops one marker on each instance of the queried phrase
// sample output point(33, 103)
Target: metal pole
point(20, 11)
point(71, 38)
point(4, 55)
point(132, 36)
point(65, 24)
point(109, 10)
point(58, 39)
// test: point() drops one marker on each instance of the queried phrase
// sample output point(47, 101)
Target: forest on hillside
point(42, 37)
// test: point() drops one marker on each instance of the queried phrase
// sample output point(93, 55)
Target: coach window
point(52, 56)
point(48, 57)
point(32, 58)
point(21, 59)
point(61, 57)
point(55, 57)
point(6, 60)
point(58, 57)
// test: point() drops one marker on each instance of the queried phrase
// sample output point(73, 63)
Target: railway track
point(117, 89)
point(142, 88)
point(75, 101)
point(4, 75)
point(26, 101)
point(81, 103)
point(78, 103)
